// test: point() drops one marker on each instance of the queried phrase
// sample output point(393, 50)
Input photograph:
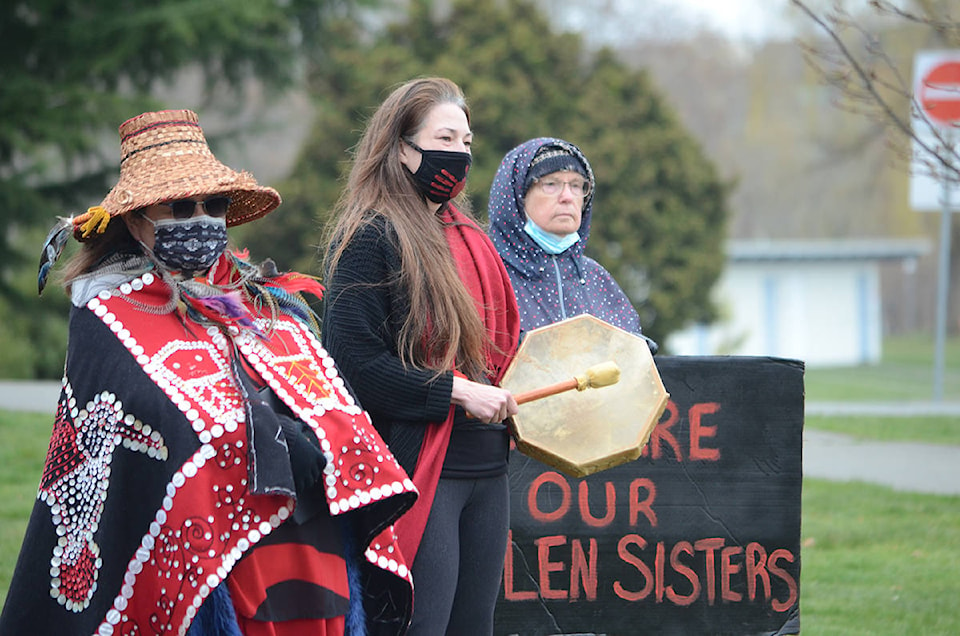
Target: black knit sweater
point(363, 312)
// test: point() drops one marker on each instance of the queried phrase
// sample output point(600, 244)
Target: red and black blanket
point(146, 502)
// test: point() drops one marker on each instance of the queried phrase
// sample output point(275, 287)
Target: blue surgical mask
point(548, 242)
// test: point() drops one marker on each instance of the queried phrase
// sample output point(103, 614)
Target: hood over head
point(506, 207)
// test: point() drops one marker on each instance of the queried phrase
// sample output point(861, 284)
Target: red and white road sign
point(936, 128)
point(938, 92)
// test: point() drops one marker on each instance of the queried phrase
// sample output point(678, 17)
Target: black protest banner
point(701, 535)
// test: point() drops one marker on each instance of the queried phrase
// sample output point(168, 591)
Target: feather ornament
point(224, 309)
point(53, 246)
point(295, 282)
point(227, 305)
point(289, 303)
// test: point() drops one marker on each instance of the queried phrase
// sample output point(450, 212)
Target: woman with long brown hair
point(422, 320)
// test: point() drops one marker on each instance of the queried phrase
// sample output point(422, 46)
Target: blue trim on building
point(703, 339)
point(863, 316)
point(771, 329)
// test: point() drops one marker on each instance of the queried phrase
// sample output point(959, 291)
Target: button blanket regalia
point(144, 505)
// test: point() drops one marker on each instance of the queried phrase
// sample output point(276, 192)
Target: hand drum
point(583, 432)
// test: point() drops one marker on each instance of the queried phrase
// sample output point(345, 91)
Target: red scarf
point(485, 277)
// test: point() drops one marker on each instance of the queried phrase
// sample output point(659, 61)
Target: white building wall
point(826, 313)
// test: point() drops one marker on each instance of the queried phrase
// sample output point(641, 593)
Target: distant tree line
point(660, 212)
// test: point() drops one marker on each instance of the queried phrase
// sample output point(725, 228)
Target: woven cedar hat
point(164, 157)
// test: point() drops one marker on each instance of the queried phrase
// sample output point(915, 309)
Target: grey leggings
point(456, 574)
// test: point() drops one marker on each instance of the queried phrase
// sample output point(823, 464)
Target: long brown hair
point(442, 327)
point(93, 250)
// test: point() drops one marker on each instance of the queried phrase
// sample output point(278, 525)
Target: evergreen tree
point(660, 211)
point(72, 72)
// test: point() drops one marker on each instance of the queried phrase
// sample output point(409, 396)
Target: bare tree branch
point(868, 91)
point(945, 26)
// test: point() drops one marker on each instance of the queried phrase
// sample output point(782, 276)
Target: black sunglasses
point(184, 208)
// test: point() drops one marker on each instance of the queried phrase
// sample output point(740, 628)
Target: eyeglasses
point(185, 208)
point(552, 187)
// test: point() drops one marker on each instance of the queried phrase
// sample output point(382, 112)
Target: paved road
point(912, 467)
point(33, 397)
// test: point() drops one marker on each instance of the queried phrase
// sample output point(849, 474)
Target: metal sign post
point(934, 183)
point(943, 282)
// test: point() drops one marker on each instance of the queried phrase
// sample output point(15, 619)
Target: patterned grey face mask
point(189, 245)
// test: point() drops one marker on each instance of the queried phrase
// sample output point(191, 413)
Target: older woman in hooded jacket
point(540, 212)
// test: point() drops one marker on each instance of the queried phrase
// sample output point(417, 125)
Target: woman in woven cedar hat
point(421, 317)
point(208, 473)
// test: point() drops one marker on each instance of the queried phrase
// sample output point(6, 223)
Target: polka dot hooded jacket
point(550, 288)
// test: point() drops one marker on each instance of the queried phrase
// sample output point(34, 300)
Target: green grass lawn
point(874, 561)
point(22, 453)
point(906, 372)
point(927, 429)
point(877, 561)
